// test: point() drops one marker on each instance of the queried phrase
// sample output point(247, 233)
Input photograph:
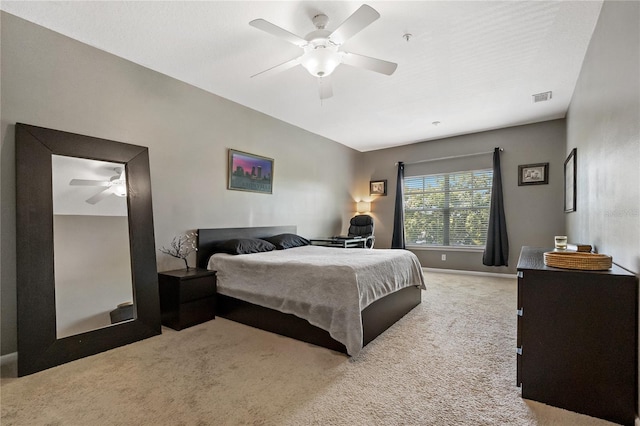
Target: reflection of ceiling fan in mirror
point(321, 48)
point(115, 185)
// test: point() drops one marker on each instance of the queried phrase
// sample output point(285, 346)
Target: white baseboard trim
point(8, 358)
point(479, 273)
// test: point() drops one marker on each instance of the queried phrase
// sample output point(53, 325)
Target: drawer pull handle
point(519, 350)
point(520, 311)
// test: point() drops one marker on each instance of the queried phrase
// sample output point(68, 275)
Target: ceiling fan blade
point(100, 196)
point(355, 23)
point(275, 30)
point(372, 64)
point(325, 87)
point(279, 68)
point(87, 182)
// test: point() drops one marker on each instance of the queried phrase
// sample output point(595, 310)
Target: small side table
point(187, 297)
point(342, 242)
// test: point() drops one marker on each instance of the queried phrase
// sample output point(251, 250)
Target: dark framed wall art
point(533, 174)
point(250, 172)
point(570, 169)
point(378, 187)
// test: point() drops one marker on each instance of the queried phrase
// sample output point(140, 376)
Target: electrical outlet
point(444, 257)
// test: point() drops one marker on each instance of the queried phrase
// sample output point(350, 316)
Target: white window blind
point(449, 209)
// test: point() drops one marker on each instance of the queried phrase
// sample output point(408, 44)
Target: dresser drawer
point(197, 288)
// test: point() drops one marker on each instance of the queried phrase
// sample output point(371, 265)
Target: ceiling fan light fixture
point(321, 55)
point(120, 190)
point(321, 61)
point(118, 185)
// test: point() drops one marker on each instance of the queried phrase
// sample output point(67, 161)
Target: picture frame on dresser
point(570, 171)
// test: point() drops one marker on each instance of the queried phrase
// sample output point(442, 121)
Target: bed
point(380, 287)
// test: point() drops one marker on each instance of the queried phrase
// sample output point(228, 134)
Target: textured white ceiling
point(472, 66)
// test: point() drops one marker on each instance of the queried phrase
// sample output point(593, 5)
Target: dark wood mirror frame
point(38, 346)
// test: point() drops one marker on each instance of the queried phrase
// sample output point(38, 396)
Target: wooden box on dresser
point(187, 297)
point(577, 338)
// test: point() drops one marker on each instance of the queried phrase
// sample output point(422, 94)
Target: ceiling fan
point(321, 48)
point(115, 185)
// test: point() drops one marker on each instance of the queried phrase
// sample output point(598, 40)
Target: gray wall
point(603, 123)
point(93, 270)
point(52, 81)
point(534, 213)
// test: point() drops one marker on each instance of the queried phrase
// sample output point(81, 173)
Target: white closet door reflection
point(92, 263)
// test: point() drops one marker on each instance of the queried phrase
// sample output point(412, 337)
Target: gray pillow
point(285, 241)
point(244, 246)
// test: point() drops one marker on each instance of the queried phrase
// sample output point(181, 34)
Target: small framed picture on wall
point(533, 174)
point(378, 187)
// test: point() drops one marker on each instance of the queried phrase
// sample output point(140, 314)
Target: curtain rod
point(451, 157)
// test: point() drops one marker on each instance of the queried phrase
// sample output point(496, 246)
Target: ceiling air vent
point(541, 97)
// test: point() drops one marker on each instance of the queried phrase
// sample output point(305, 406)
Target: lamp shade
point(363, 206)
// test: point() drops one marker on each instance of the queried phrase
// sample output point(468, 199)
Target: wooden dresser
point(577, 338)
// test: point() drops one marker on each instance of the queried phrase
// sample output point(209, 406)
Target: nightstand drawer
point(196, 312)
point(197, 288)
point(187, 297)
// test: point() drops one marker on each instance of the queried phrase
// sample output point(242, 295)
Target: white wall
point(52, 81)
point(603, 123)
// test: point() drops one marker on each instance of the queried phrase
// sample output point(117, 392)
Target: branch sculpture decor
point(181, 247)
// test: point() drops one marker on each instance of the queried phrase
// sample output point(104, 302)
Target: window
point(450, 209)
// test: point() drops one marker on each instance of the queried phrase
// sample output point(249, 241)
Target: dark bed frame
point(376, 317)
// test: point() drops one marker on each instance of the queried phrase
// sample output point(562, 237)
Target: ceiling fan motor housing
point(321, 55)
point(320, 21)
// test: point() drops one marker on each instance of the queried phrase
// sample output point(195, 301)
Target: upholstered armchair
point(362, 226)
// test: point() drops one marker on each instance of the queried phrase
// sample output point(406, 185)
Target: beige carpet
point(451, 361)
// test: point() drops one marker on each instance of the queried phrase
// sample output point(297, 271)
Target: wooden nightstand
point(187, 297)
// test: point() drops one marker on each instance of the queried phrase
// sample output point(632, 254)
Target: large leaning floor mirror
point(87, 279)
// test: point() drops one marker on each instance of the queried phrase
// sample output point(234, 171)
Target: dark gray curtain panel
point(397, 240)
point(496, 252)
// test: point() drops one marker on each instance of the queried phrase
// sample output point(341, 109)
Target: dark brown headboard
point(207, 238)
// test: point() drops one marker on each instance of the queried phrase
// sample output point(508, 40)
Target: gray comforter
point(329, 287)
